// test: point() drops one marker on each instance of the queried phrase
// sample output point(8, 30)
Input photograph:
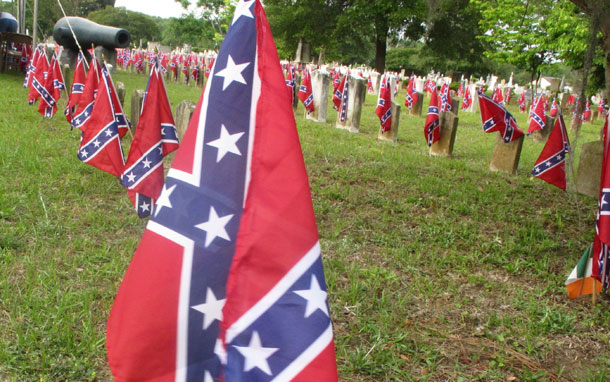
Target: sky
point(160, 8)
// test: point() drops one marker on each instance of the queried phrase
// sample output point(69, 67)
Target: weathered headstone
point(505, 156)
point(543, 135)
point(474, 105)
point(137, 98)
point(184, 112)
point(120, 91)
point(455, 105)
point(416, 109)
point(68, 57)
point(97, 51)
point(68, 74)
point(356, 94)
point(320, 82)
point(110, 57)
point(444, 146)
point(419, 84)
point(590, 168)
point(392, 134)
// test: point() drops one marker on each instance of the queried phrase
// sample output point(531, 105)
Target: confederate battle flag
point(496, 118)
point(155, 137)
point(384, 104)
point(305, 93)
point(550, 165)
point(227, 283)
point(432, 130)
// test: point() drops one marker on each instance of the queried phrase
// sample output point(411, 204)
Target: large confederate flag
point(227, 282)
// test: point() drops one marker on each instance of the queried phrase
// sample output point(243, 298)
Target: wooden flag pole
point(594, 295)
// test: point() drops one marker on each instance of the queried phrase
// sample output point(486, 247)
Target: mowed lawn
point(437, 268)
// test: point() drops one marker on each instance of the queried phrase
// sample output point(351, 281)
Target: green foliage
point(197, 32)
point(451, 42)
point(139, 25)
point(515, 31)
point(308, 20)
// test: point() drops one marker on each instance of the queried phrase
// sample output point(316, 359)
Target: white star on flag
point(316, 298)
point(97, 143)
point(144, 206)
point(256, 355)
point(232, 73)
point(211, 309)
point(163, 200)
point(242, 9)
point(84, 153)
point(215, 227)
point(131, 177)
point(207, 377)
point(146, 163)
point(226, 143)
point(108, 133)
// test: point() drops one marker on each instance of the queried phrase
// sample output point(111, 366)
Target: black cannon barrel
point(87, 32)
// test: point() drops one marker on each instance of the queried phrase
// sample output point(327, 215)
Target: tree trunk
point(381, 38)
point(598, 10)
point(605, 27)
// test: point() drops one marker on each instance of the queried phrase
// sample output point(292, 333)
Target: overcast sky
point(160, 8)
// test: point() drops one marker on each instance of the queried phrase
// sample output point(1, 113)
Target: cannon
point(8, 22)
point(88, 33)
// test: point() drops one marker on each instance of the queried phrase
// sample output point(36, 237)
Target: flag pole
point(594, 295)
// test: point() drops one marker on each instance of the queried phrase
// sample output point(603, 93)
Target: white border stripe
point(274, 294)
point(256, 92)
point(194, 178)
point(183, 301)
point(306, 357)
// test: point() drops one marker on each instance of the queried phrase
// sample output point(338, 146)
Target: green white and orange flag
point(580, 282)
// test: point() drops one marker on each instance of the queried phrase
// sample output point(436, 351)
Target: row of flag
point(192, 65)
point(94, 108)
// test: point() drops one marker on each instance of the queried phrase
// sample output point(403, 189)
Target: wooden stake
point(594, 295)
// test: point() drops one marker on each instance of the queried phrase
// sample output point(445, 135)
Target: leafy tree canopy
point(139, 25)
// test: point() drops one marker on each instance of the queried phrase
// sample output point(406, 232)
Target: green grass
point(437, 268)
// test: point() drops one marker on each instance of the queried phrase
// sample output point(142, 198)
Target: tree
point(387, 19)
point(599, 13)
point(516, 34)
point(451, 39)
point(197, 32)
point(308, 21)
point(139, 25)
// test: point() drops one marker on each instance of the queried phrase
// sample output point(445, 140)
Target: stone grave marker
point(449, 124)
point(505, 156)
point(419, 84)
point(68, 74)
point(320, 82)
point(543, 135)
point(120, 92)
point(137, 98)
point(590, 168)
point(184, 112)
point(356, 94)
point(392, 134)
point(474, 105)
point(455, 105)
point(416, 109)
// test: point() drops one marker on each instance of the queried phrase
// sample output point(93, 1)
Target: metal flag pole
point(73, 34)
